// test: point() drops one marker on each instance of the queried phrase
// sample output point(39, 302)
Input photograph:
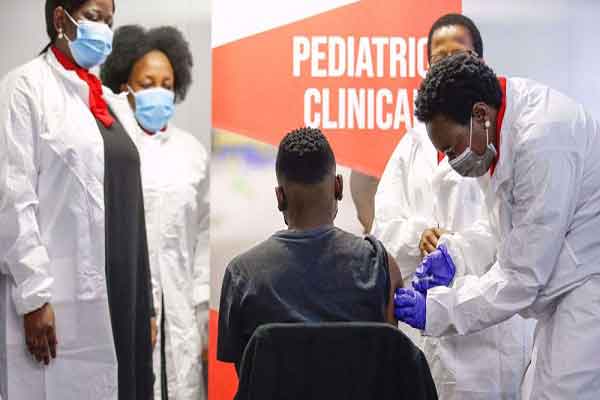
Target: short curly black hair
point(304, 156)
point(453, 85)
point(460, 20)
point(132, 42)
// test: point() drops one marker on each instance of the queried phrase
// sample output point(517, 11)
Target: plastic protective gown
point(544, 202)
point(414, 194)
point(175, 183)
point(52, 238)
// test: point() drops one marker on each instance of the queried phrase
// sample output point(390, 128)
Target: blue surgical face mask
point(93, 43)
point(153, 107)
point(471, 164)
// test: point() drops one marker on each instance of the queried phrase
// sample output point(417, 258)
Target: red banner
point(352, 71)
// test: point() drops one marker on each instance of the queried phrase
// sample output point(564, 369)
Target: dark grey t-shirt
point(321, 275)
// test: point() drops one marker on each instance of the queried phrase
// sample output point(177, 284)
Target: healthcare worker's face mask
point(153, 107)
point(469, 163)
point(93, 43)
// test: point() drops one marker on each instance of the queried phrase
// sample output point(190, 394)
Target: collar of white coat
point(418, 132)
point(445, 172)
point(504, 164)
point(71, 78)
point(421, 142)
point(161, 136)
point(441, 170)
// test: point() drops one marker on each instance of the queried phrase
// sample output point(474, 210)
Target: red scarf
point(440, 157)
point(98, 105)
point(499, 120)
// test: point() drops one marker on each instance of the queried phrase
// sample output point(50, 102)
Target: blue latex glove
point(437, 269)
point(409, 307)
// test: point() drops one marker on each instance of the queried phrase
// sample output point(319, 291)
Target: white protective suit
point(52, 235)
point(544, 203)
point(174, 168)
point(416, 193)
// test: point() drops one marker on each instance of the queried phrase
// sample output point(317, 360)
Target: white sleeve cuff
point(32, 282)
point(202, 320)
point(439, 308)
point(33, 293)
point(404, 246)
point(449, 240)
point(201, 294)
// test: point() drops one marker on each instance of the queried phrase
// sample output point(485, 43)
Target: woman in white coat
point(74, 276)
point(535, 152)
point(419, 190)
point(154, 68)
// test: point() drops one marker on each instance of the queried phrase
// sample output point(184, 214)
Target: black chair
point(353, 361)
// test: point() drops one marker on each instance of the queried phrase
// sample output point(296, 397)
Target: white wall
point(22, 32)
point(23, 35)
point(551, 41)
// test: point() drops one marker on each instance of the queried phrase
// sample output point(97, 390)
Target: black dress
point(127, 266)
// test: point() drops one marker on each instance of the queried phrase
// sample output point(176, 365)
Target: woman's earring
point(60, 34)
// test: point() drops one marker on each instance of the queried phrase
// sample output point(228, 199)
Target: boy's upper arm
point(395, 283)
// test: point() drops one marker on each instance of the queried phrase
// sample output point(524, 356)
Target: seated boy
point(313, 271)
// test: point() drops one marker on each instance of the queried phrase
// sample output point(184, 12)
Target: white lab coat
point(416, 193)
point(174, 168)
point(52, 235)
point(544, 204)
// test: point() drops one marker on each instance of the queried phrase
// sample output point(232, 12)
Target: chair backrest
point(344, 360)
